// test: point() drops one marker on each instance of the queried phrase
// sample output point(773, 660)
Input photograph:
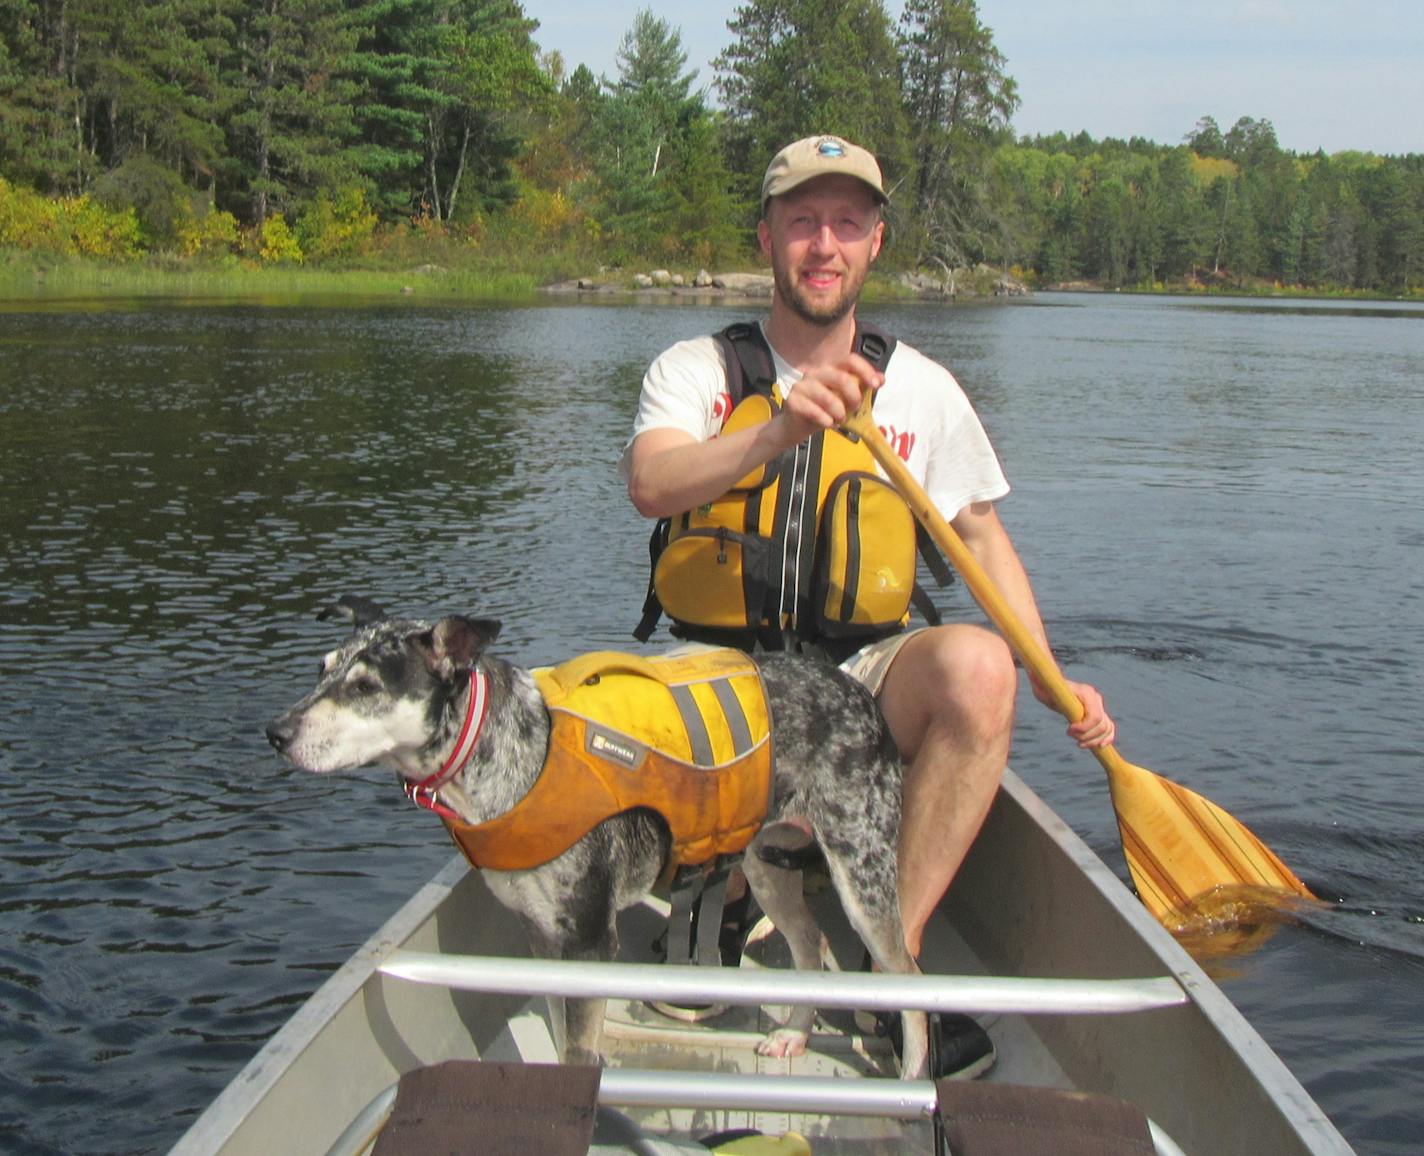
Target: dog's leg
point(576, 1024)
point(779, 891)
point(583, 1030)
point(873, 910)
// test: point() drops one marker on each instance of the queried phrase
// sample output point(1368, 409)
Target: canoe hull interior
point(1031, 900)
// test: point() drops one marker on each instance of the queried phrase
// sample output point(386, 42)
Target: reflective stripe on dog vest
point(686, 736)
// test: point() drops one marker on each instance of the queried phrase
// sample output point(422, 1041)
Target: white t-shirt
point(920, 409)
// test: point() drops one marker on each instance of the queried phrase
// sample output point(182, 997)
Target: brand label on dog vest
point(615, 748)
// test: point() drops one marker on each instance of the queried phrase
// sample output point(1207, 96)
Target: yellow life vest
point(815, 542)
point(686, 736)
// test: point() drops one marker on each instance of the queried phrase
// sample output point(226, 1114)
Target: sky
point(1327, 74)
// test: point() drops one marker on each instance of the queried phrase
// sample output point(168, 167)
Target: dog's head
point(382, 696)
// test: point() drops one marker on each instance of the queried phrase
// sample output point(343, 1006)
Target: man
point(947, 691)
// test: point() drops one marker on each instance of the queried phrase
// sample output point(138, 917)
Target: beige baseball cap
point(818, 156)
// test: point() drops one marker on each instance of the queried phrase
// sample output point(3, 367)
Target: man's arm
point(670, 471)
point(979, 526)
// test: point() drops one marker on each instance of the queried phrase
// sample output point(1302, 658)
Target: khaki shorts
point(869, 665)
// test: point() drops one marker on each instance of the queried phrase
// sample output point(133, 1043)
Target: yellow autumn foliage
point(1208, 170)
point(68, 226)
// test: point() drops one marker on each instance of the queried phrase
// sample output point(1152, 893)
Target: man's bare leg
point(949, 699)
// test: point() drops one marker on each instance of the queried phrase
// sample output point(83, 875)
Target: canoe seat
point(497, 1109)
point(515, 1109)
point(988, 1119)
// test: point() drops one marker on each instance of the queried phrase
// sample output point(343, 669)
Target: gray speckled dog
point(396, 694)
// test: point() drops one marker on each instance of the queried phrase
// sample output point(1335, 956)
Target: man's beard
point(820, 312)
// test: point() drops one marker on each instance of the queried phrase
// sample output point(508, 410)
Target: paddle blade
point(1180, 846)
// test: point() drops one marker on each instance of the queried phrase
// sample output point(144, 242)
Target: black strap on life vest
point(698, 898)
point(751, 368)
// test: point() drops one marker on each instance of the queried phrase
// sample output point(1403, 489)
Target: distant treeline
point(343, 130)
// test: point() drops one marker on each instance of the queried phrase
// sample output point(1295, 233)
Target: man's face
point(821, 238)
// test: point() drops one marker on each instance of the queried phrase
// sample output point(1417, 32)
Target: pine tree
point(450, 79)
point(41, 142)
point(297, 75)
point(959, 101)
point(799, 67)
point(661, 188)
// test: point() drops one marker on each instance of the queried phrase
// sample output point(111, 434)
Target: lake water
point(1221, 503)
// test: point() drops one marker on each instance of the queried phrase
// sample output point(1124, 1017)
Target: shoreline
point(25, 280)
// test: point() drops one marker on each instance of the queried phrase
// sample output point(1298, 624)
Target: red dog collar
point(426, 792)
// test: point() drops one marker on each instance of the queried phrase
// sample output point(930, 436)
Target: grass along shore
point(34, 277)
point(29, 277)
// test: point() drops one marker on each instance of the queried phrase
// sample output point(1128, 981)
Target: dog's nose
point(280, 734)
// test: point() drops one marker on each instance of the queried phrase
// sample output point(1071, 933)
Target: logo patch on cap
point(830, 147)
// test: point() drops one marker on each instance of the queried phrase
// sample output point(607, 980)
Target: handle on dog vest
point(572, 674)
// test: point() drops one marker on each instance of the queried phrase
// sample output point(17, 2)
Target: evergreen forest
point(387, 133)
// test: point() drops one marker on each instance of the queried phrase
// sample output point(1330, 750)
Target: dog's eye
point(363, 684)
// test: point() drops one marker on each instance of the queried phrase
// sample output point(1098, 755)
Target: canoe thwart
point(748, 988)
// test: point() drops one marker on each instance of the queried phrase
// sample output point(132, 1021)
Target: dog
point(395, 695)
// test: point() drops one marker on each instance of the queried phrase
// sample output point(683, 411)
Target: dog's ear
point(354, 609)
point(456, 643)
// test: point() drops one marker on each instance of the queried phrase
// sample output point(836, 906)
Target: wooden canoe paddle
point(1179, 846)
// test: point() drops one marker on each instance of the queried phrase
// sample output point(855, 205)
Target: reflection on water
point(1219, 507)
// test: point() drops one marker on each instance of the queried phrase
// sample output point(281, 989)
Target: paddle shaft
point(986, 592)
point(1178, 845)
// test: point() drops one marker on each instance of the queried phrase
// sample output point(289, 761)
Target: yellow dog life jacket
point(687, 736)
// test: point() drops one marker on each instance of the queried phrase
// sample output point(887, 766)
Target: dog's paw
point(783, 1044)
point(590, 1056)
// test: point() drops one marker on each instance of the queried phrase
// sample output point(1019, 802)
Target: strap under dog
point(686, 889)
point(709, 914)
point(698, 896)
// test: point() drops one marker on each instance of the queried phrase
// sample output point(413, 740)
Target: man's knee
point(965, 664)
point(958, 675)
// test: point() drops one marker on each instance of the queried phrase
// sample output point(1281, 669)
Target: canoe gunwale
point(997, 866)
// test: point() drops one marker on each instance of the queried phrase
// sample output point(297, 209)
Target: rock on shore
point(661, 280)
point(979, 281)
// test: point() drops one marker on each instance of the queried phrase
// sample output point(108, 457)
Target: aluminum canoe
point(1078, 986)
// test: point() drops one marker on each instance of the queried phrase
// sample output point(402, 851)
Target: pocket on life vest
point(865, 571)
point(713, 577)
